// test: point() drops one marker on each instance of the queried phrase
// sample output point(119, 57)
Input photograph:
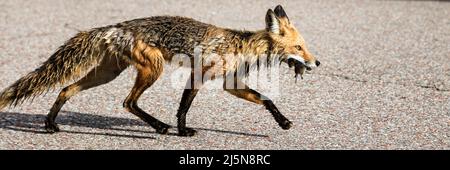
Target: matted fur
point(171, 35)
point(146, 43)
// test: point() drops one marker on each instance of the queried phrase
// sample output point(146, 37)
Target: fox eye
point(298, 47)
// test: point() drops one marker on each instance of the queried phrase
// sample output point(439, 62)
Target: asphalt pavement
point(384, 81)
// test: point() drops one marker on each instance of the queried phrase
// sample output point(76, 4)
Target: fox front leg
point(189, 93)
point(185, 104)
point(281, 120)
point(253, 96)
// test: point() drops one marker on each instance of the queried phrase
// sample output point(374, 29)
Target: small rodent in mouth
point(299, 68)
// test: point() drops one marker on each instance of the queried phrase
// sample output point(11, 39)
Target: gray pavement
point(384, 82)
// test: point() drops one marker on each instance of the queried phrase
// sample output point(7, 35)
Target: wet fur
point(103, 53)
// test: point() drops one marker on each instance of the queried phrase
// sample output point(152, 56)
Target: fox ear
point(280, 13)
point(272, 22)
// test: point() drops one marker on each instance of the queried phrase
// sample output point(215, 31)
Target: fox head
point(287, 41)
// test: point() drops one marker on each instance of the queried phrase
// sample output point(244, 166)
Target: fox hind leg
point(149, 64)
point(108, 70)
point(143, 81)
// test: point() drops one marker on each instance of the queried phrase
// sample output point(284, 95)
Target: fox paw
point(186, 132)
point(51, 127)
point(285, 124)
point(163, 129)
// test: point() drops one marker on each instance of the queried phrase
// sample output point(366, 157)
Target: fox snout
point(309, 65)
point(310, 60)
point(317, 63)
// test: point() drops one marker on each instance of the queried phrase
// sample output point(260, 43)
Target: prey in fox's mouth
point(300, 66)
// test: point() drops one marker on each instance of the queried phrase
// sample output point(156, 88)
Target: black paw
point(285, 124)
point(163, 129)
point(51, 127)
point(186, 132)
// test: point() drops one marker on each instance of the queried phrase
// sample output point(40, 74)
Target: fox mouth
point(299, 67)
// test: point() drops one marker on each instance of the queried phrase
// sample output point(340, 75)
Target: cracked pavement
point(384, 81)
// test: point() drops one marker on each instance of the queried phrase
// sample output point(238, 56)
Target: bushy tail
point(72, 59)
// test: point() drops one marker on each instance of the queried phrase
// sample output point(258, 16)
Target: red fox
point(146, 44)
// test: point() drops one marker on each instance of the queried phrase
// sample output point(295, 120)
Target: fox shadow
point(34, 123)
